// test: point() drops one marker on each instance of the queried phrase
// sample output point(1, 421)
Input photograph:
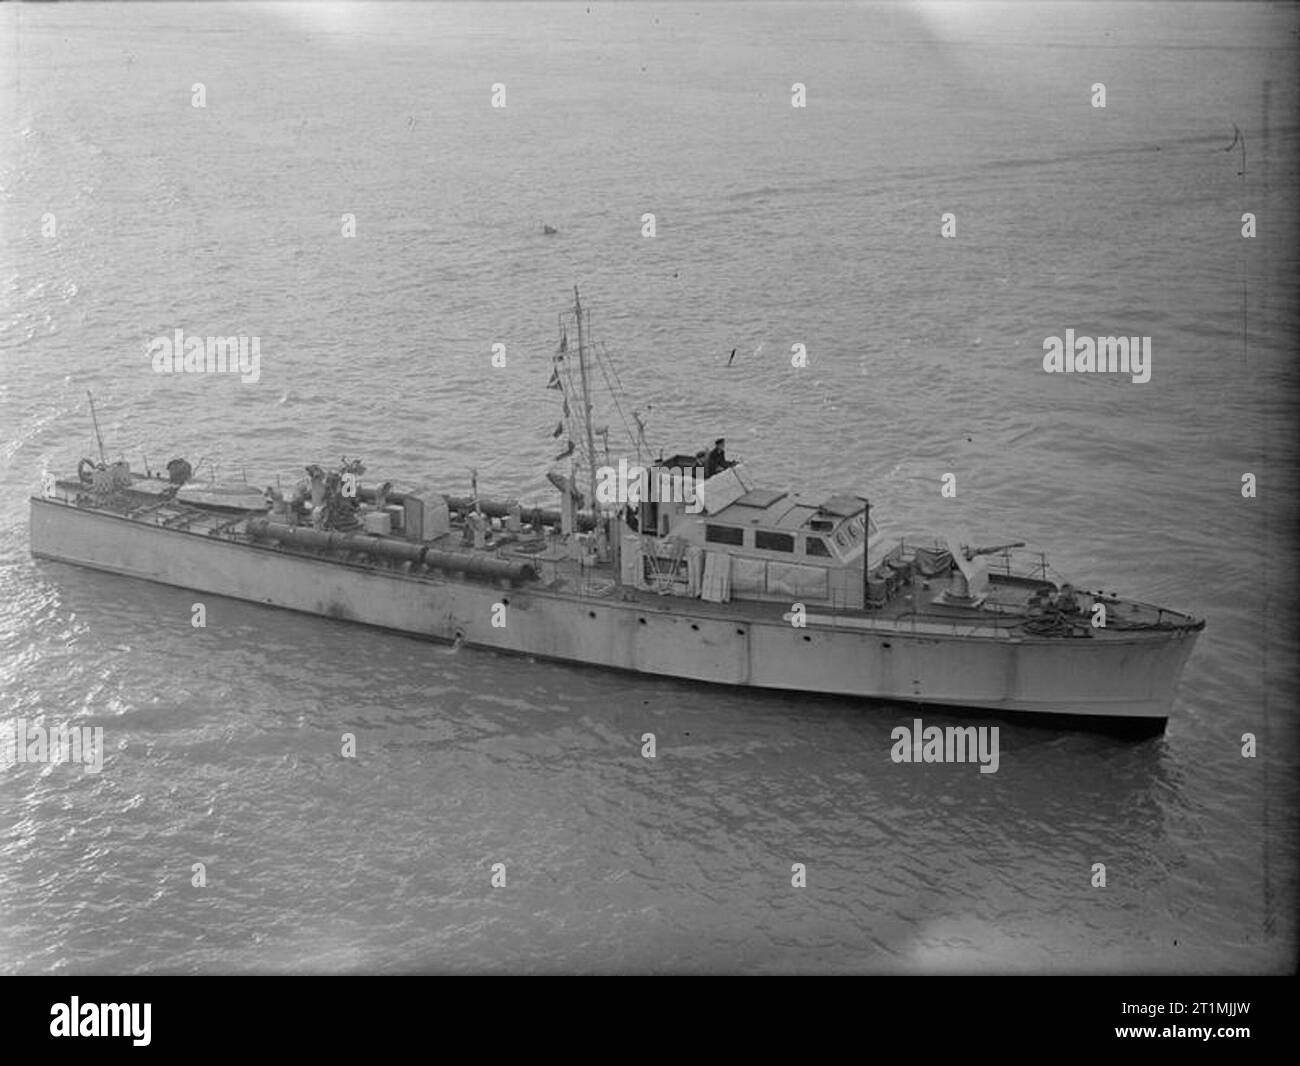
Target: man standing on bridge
point(716, 460)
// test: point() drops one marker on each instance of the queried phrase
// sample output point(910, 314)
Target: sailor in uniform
point(716, 460)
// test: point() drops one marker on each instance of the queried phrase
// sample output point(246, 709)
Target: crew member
point(716, 460)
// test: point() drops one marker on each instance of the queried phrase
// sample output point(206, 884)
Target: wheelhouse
point(776, 545)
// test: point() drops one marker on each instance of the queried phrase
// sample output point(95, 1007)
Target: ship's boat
point(683, 566)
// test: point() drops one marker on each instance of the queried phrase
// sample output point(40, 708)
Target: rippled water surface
point(775, 226)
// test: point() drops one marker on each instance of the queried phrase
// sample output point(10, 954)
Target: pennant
point(564, 340)
point(559, 428)
point(567, 452)
point(554, 383)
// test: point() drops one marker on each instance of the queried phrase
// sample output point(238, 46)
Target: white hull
point(1133, 677)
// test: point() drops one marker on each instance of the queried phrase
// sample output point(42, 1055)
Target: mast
point(586, 403)
point(95, 418)
point(866, 539)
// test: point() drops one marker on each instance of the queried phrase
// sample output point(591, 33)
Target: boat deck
point(917, 606)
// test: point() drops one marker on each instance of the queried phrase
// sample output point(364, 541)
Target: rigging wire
point(602, 358)
point(571, 391)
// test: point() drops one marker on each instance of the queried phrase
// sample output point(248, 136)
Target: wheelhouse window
point(816, 546)
point(773, 542)
point(724, 535)
point(858, 523)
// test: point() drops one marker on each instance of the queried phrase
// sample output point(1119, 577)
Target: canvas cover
point(792, 579)
point(748, 575)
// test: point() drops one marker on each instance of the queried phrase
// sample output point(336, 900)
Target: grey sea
point(348, 194)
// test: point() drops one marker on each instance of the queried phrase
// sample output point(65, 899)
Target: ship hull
point(1127, 681)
